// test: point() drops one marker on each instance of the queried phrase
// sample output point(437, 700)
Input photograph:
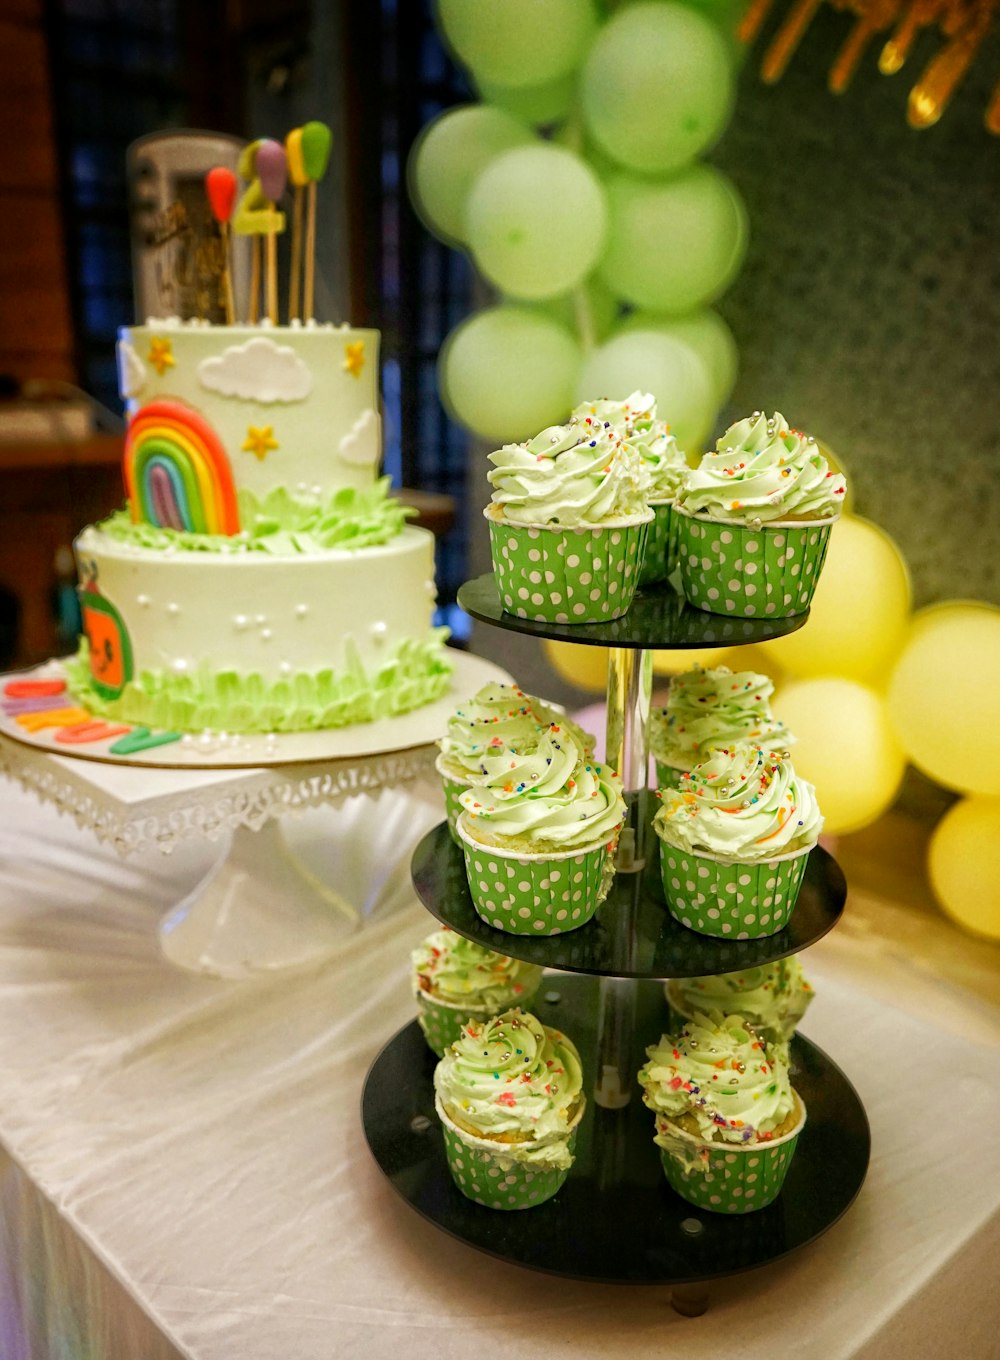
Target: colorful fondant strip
point(12, 707)
point(142, 739)
point(193, 488)
point(52, 717)
point(96, 729)
point(33, 689)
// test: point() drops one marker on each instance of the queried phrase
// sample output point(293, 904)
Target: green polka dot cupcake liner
point(453, 790)
point(729, 900)
point(728, 1178)
point(495, 1179)
point(556, 574)
point(442, 1021)
point(660, 556)
point(770, 572)
point(526, 894)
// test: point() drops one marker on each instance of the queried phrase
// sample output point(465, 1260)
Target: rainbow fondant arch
point(177, 475)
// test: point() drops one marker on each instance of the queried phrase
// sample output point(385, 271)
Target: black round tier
point(657, 617)
point(616, 1220)
point(657, 947)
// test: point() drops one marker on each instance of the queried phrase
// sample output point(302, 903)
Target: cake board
point(260, 908)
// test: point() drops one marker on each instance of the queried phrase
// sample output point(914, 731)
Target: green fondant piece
point(317, 139)
point(141, 739)
point(415, 673)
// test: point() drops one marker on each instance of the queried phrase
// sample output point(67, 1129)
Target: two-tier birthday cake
point(261, 577)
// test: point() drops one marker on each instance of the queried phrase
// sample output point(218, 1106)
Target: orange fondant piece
point(79, 734)
point(106, 661)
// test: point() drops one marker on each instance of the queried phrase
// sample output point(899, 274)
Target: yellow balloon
point(844, 745)
point(585, 667)
point(944, 696)
point(673, 660)
point(964, 860)
point(754, 657)
point(860, 610)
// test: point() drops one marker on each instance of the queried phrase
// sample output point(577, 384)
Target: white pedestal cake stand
point(260, 908)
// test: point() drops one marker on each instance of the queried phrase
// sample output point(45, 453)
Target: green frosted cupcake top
point(762, 471)
point(553, 796)
point(582, 473)
point(511, 1075)
point(662, 458)
point(717, 1079)
point(772, 998)
point(716, 707)
point(741, 803)
point(636, 411)
point(449, 968)
point(498, 719)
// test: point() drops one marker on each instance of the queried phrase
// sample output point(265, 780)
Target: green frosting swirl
point(282, 524)
point(716, 1080)
point(663, 459)
point(761, 471)
point(637, 411)
point(513, 1079)
point(549, 798)
point(450, 969)
point(772, 998)
point(500, 718)
point(413, 673)
point(583, 473)
point(741, 803)
point(716, 707)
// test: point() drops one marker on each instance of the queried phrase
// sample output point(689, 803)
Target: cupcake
point(455, 980)
point(498, 719)
point(754, 520)
point(727, 1118)
point(772, 999)
point(509, 1094)
point(568, 523)
point(734, 840)
point(710, 708)
point(539, 832)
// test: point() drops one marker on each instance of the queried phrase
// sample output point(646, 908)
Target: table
point(184, 1172)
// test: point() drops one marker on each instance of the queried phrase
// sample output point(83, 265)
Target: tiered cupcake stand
point(616, 1220)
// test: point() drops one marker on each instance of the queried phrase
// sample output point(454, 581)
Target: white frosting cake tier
point(263, 406)
point(193, 640)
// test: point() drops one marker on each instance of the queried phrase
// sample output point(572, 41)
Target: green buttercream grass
point(413, 674)
point(282, 524)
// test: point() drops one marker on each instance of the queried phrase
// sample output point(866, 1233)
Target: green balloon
point(707, 334)
point(536, 221)
point(508, 372)
point(449, 155)
point(657, 87)
point(317, 140)
point(675, 244)
point(601, 308)
point(518, 42)
point(536, 105)
point(649, 361)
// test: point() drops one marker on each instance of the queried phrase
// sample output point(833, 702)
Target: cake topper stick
point(297, 174)
point(316, 142)
point(257, 216)
point(220, 186)
point(272, 171)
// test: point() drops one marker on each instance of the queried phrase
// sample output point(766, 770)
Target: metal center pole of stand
point(630, 679)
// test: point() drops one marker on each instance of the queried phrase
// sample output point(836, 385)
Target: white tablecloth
point(184, 1170)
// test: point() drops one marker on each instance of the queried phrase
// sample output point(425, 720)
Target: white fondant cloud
point(361, 443)
point(131, 371)
point(260, 371)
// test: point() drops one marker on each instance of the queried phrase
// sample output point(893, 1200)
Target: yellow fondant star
point(260, 441)
point(161, 355)
point(354, 357)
